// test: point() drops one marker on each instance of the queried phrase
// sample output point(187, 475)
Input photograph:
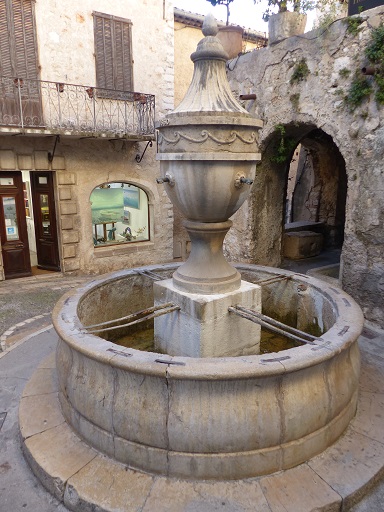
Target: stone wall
point(80, 166)
point(315, 104)
point(66, 43)
point(66, 54)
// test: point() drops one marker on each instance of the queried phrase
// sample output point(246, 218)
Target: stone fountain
point(208, 152)
point(208, 405)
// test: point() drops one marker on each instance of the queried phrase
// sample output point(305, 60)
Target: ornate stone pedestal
point(203, 327)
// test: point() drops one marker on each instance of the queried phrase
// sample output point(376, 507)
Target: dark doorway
point(317, 188)
point(45, 221)
point(13, 226)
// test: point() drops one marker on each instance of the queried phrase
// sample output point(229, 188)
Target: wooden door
point(13, 226)
point(45, 220)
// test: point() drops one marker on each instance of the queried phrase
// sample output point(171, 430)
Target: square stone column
point(204, 327)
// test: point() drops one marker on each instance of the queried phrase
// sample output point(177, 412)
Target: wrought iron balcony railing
point(75, 109)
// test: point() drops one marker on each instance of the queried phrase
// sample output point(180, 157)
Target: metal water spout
point(208, 149)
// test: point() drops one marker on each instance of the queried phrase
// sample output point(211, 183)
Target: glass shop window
point(119, 214)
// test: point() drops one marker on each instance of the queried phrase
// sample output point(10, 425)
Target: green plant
point(328, 11)
point(344, 73)
point(300, 72)
point(359, 90)
point(294, 99)
point(284, 147)
point(375, 53)
point(275, 6)
point(353, 25)
point(375, 49)
point(222, 2)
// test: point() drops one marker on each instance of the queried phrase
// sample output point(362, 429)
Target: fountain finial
point(210, 27)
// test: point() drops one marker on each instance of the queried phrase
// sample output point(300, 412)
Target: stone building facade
point(81, 85)
point(304, 90)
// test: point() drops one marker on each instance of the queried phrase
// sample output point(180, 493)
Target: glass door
point(13, 227)
point(45, 221)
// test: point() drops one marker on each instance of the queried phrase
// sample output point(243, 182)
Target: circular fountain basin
point(219, 418)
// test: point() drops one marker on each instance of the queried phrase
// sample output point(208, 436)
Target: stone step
point(84, 479)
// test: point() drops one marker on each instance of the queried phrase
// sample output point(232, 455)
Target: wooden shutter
point(18, 47)
point(113, 52)
point(25, 39)
point(5, 40)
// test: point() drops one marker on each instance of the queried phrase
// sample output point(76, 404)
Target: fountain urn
point(208, 149)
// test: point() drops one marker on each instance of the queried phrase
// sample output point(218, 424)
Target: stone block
point(302, 244)
point(131, 420)
point(69, 251)
point(39, 413)
point(350, 466)
point(58, 163)
point(25, 162)
point(68, 208)
point(168, 495)
point(204, 327)
point(90, 374)
point(108, 483)
point(55, 462)
point(291, 491)
point(65, 193)
point(66, 178)
point(66, 222)
point(42, 381)
point(71, 264)
point(41, 160)
point(70, 236)
point(7, 159)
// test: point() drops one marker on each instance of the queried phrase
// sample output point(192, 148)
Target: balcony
point(38, 107)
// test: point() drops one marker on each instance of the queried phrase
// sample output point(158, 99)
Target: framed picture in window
point(126, 216)
point(132, 198)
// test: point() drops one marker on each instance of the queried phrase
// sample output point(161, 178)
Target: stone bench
point(302, 244)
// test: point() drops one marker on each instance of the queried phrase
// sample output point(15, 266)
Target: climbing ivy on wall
point(284, 147)
point(353, 25)
point(359, 90)
point(362, 86)
point(375, 54)
point(300, 72)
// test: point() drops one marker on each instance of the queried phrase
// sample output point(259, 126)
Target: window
point(113, 51)
point(119, 214)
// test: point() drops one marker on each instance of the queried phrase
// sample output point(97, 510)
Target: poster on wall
point(107, 205)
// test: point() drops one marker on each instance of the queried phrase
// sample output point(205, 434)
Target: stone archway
point(319, 187)
point(324, 193)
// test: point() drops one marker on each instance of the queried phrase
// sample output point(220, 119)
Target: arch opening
point(301, 186)
point(315, 201)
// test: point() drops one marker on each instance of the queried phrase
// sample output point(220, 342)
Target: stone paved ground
point(26, 304)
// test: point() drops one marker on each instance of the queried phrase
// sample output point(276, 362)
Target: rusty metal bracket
point(51, 155)
point(139, 158)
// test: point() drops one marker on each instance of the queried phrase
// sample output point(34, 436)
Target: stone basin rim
point(69, 328)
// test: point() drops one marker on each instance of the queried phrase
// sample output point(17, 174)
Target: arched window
point(119, 214)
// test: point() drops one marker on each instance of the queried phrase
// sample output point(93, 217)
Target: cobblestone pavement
point(26, 304)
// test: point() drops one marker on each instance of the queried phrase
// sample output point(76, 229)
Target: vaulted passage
point(317, 187)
